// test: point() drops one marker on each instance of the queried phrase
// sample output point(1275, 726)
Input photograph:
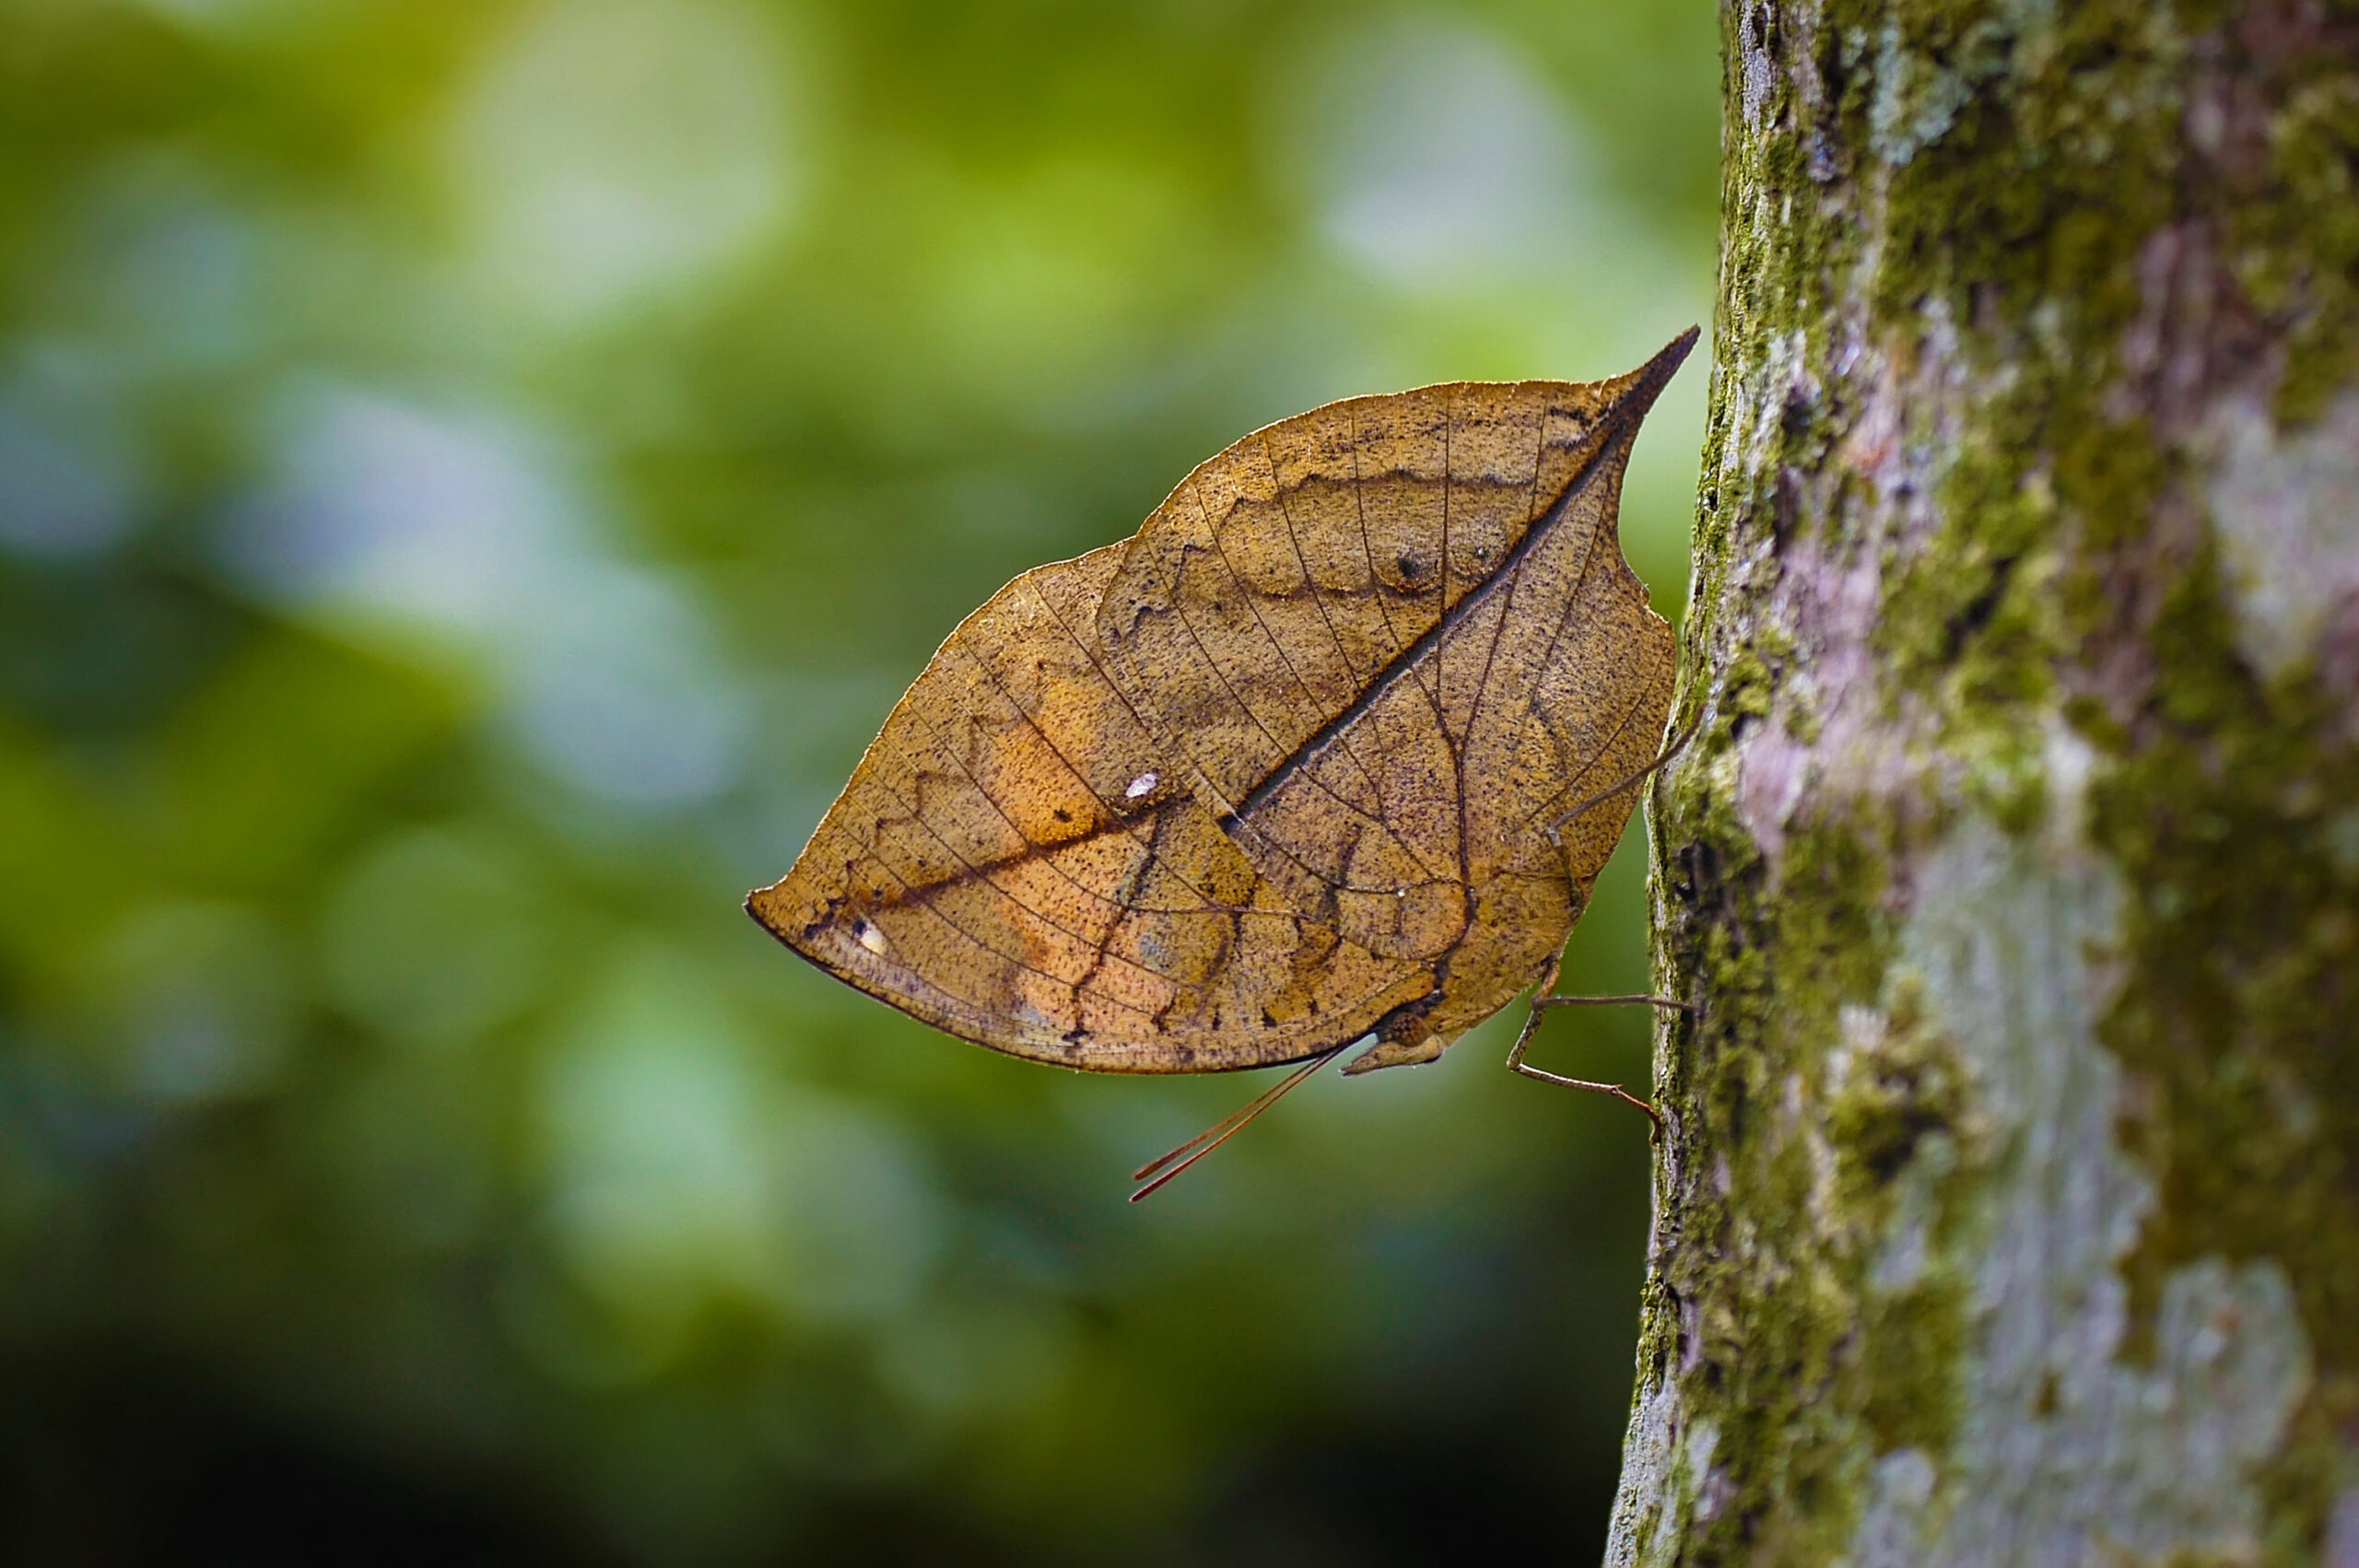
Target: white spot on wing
point(1143, 785)
point(870, 937)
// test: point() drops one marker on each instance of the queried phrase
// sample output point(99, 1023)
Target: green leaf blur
point(471, 479)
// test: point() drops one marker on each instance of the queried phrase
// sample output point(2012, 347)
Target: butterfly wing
point(1384, 636)
point(1288, 761)
point(1014, 863)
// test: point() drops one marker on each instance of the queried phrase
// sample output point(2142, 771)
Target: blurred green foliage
point(472, 478)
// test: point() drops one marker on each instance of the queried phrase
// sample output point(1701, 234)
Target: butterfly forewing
point(1463, 561)
point(1300, 759)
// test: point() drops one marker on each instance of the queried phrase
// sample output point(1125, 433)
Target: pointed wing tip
point(1643, 385)
point(1673, 354)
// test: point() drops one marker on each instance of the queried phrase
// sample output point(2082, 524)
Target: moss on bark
point(2006, 290)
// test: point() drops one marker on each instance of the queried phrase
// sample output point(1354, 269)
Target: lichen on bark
point(2009, 1210)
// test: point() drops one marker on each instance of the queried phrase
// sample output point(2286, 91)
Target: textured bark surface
point(2010, 1212)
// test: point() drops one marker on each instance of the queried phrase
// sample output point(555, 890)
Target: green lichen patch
point(1900, 1086)
point(1910, 1164)
point(2240, 1005)
point(2060, 140)
point(1990, 217)
point(1810, 1367)
point(1970, 613)
point(2294, 239)
point(1914, 1344)
point(1973, 630)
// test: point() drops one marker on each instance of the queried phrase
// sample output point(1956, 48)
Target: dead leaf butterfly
point(1329, 751)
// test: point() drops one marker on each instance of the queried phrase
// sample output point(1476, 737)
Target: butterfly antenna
point(1212, 1138)
point(1678, 744)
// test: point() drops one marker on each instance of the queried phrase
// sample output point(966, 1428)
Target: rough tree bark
point(2010, 1206)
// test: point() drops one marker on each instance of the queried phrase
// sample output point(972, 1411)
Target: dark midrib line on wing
point(1490, 661)
point(1252, 602)
point(1405, 662)
point(1033, 848)
point(920, 897)
point(971, 871)
point(1230, 821)
point(1499, 631)
point(1441, 657)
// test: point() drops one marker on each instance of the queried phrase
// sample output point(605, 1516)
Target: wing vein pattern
point(1273, 773)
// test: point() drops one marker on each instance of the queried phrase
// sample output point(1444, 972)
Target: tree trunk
point(2009, 1208)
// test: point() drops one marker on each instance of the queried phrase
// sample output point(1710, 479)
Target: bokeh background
point(473, 475)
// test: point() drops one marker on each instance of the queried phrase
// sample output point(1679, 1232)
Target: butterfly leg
point(1544, 997)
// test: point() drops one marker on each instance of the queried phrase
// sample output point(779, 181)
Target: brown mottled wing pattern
point(1010, 863)
point(1391, 638)
point(1284, 764)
